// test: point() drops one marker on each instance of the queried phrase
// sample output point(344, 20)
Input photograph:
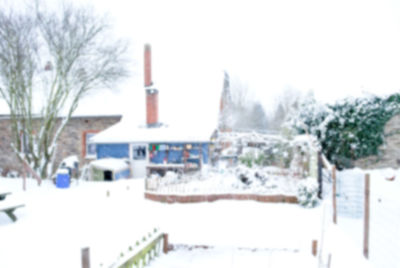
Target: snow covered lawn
point(57, 223)
point(384, 238)
point(109, 217)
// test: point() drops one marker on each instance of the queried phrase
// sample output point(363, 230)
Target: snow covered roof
point(188, 104)
point(124, 132)
point(110, 163)
point(7, 116)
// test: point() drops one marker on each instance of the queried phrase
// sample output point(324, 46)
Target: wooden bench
point(3, 195)
point(9, 210)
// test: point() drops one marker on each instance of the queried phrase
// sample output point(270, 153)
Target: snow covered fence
point(135, 254)
point(350, 195)
point(268, 184)
point(370, 216)
point(145, 255)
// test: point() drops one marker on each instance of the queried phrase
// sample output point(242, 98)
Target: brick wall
point(71, 141)
point(389, 151)
point(214, 197)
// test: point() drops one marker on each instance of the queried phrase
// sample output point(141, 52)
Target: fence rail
point(133, 257)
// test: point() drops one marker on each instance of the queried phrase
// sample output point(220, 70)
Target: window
point(88, 149)
point(139, 152)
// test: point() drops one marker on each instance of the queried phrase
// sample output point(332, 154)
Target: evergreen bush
point(349, 129)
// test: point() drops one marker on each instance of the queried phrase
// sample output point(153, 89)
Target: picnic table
point(8, 207)
point(4, 195)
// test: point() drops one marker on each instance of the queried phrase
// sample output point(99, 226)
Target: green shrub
point(349, 129)
point(247, 160)
point(307, 193)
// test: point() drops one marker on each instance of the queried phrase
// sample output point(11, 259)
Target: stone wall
point(389, 152)
point(71, 141)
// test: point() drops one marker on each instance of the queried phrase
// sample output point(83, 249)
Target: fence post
point(165, 246)
point(334, 194)
point(85, 255)
point(366, 215)
point(314, 247)
point(320, 175)
point(329, 260)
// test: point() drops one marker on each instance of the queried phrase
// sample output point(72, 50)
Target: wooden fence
point(138, 258)
point(324, 163)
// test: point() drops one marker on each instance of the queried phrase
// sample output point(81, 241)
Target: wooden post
point(366, 215)
point(165, 246)
point(329, 261)
point(314, 247)
point(334, 194)
point(320, 175)
point(85, 254)
point(24, 178)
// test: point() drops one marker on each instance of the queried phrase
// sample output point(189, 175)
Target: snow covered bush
point(307, 192)
point(349, 129)
point(247, 159)
point(270, 153)
point(258, 150)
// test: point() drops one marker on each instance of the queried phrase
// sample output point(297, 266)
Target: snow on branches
point(349, 129)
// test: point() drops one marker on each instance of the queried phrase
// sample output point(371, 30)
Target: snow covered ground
point(384, 240)
point(110, 217)
point(56, 223)
point(234, 257)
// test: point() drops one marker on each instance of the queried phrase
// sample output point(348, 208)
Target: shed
point(165, 146)
point(109, 169)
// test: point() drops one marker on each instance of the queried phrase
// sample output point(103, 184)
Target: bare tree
point(57, 57)
point(241, 111)
point(287, 102)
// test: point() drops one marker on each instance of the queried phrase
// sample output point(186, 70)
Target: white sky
point(336, 48)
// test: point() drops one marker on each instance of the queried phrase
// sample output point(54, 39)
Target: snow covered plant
point(350, 129)
point(247, 159)
point(272, 153)
point(307, 193)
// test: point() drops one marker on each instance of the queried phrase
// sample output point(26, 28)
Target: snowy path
point(233, 258)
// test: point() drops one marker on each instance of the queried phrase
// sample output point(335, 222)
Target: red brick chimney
point(147, 66)
point(151, 107)
point(151, 93)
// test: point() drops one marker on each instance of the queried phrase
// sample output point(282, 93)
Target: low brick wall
point(214, 197)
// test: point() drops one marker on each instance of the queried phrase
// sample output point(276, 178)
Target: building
point(157, 146)
point(73, 140)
